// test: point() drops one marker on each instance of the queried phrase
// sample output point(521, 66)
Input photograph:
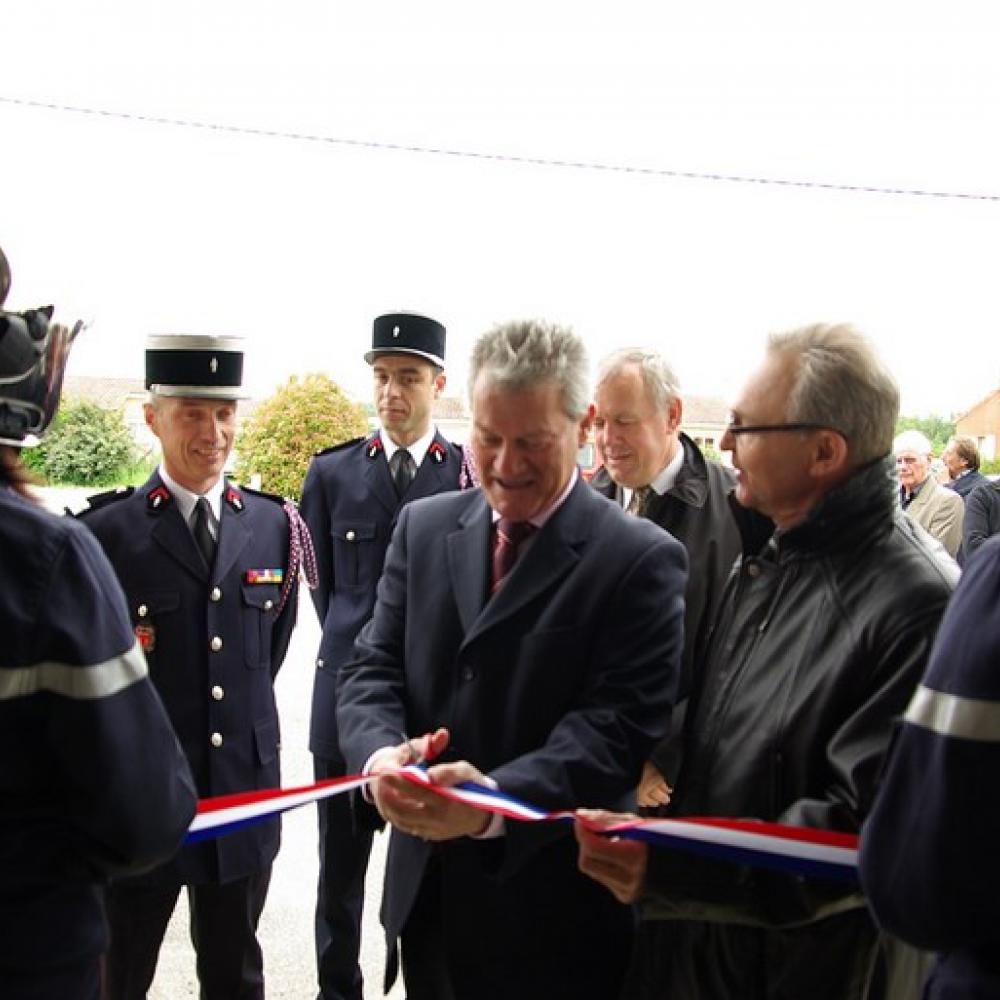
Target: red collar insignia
point(375, 447)
point(234, 499)
point(158, 498)
point(437, 452)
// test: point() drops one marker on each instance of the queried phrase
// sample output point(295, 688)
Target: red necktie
point(509, 536)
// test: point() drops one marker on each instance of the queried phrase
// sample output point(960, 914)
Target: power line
point(533, 161)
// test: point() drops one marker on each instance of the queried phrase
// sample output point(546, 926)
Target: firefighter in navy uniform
point(205, 568)
point(350, 500)
point(93, 781)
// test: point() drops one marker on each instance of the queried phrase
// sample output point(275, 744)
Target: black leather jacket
point(823, 633)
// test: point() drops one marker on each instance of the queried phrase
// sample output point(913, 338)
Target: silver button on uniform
point(216, 740)
point(216, 644)
point(215, 595)
point(217, 693)
point(143, 610)
point(350, 536)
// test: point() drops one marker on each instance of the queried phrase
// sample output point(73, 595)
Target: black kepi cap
point(407, 333)
point(195, 366)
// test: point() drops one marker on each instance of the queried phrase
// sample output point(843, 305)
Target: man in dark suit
point(654, 470)
point(204, 567)
point(550, 680)
point(961, 458)
point(351, 498)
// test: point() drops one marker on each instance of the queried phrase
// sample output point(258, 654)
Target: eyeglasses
point(737, 429)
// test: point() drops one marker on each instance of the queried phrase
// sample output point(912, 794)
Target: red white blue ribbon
point(796, 849)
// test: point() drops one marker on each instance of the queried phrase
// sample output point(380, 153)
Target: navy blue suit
point(214, 641)
point(350, 506)
point(929, 859)
point(557, 687)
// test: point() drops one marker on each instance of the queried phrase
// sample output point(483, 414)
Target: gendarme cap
point(407, 333)
point(195, 365)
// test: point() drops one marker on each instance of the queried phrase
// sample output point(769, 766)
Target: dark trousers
point(548, 932)
point(343, 861)
point(79, 980)
point(224, 922)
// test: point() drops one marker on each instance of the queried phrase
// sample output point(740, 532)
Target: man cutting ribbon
point(531, 632)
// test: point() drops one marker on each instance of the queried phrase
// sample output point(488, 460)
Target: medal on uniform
point(265, 576)
point(146, 636)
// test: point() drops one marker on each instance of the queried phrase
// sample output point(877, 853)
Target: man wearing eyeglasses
point(822, 635)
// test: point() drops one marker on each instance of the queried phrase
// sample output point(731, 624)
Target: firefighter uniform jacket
point(214, 642)
point(93, 782)
point(350, 506)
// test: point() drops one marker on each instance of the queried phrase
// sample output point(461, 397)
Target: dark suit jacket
point(350, 506)
point(964, 485)
point(178, 610)
point(695, 511)
point(557, 687)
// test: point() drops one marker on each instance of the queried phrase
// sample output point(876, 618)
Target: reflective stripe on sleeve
point(85, 683)
point(952, 715)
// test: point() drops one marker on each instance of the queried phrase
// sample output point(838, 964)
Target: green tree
point(285, 431)
point(86, 446)
point(937, 429)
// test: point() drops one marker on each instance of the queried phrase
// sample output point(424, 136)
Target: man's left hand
point(619, 865)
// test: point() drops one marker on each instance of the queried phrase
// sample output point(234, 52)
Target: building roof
point(986, 399)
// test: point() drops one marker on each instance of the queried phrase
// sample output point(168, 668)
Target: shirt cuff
point(497, 826)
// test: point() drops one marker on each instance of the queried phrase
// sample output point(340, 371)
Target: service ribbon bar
point(795, 849)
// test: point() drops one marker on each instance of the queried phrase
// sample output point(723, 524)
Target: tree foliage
point(87, 445)
point(937, 429)
point(277, 441)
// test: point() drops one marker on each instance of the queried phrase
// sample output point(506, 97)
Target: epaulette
point(99, 500)
point(340, 447)
point(261, 493)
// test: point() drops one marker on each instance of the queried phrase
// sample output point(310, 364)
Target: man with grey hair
point(532, 633)
point(654, 470)
point(210, 576)
point(822, 635)
point(939, 511)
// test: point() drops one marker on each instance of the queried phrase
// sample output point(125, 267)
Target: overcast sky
point(298, 243)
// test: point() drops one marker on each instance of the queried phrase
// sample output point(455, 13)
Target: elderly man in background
point(961, 458)
point(939, 511)
point(536, 631)
point(822, 635)
point(654, 470)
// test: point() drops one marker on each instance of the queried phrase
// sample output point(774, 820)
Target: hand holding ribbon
point(417, 810)
point(618, 865)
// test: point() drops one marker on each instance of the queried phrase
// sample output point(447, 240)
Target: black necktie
point(202, 533)
point(403, 469)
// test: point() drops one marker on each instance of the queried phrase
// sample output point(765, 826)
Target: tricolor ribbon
point(795, 849)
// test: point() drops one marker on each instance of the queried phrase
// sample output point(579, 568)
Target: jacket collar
point(864, 506)
point(691, 486)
